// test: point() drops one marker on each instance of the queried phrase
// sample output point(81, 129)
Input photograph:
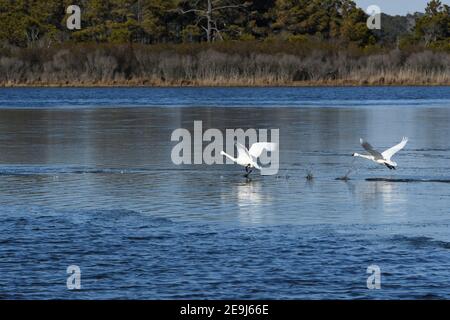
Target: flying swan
point(249, 158)
point(383, 158)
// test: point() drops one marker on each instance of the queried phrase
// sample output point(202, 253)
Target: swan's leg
point(390, 167)
point(248, 170)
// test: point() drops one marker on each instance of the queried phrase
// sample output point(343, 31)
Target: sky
point(400, 7)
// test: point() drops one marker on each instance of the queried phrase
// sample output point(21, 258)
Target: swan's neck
point(228, 156)
point(363, 156)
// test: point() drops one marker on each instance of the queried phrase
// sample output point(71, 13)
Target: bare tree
point(207, 13)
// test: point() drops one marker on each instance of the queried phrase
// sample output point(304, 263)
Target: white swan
point(383, 158)
point(249, 158)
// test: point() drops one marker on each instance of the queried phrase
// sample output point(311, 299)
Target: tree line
point(220, 42)
point(31, 23)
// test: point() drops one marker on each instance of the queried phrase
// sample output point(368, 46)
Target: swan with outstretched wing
point(384, 158)
point(248, 158)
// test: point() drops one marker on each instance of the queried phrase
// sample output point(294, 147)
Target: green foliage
point(24, 23)
point(434, 26)
point(354, 26)
point(395, 28)
point(327, 19)
point(299, 38)
point(12, 28)
point(35, 23)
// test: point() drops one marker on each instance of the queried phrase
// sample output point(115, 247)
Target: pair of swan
point(249, 158)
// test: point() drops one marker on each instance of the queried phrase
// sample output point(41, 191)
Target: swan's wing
point(390, 152)
point(257, 148)
point(243, 153)
point(370, 149)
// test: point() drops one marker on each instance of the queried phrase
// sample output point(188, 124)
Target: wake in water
point(408, 180)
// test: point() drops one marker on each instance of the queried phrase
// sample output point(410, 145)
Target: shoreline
point(134, 84)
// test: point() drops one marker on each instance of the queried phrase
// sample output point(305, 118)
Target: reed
point(235, 64)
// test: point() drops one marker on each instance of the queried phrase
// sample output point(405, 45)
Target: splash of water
point(350, 171)
point(309, 175)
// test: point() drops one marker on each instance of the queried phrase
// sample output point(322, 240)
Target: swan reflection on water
point(250, 193)
point(386, 196)
point(249, 198)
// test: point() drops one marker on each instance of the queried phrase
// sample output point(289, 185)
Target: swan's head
point(354, 154)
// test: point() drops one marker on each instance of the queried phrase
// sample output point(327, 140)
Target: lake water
point(86, 179)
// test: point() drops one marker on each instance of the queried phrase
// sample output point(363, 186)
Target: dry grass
point(219, 66)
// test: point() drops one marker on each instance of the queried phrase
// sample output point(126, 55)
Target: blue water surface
point(86, 179)
point(231, 97)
